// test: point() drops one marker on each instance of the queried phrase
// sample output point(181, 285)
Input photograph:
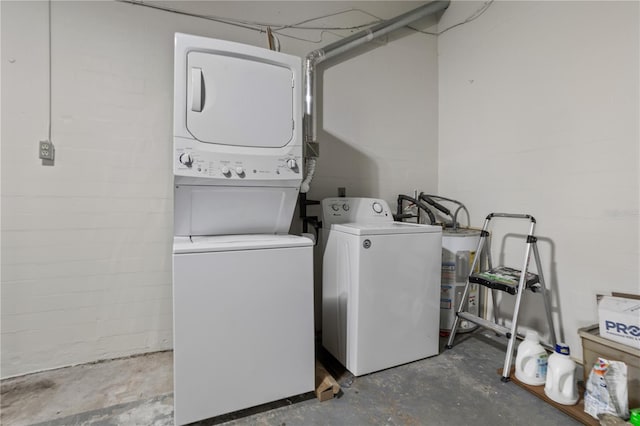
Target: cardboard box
point(594, 346)
point(620, 320)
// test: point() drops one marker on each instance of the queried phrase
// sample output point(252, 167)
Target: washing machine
point(243, 322)
point(381, 286)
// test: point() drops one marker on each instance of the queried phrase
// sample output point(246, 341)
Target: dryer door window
point(239, 101)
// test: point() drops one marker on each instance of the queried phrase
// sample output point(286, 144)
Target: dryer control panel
point(350, 209)
point(197, 161)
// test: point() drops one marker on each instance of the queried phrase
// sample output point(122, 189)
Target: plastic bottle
point(531, 360)
point(561, 377)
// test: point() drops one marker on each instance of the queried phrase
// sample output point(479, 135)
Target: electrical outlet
point(46, 150)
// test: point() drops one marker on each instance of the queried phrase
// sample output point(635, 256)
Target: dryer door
point(239, 100)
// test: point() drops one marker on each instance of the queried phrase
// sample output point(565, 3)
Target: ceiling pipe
point(341, 46)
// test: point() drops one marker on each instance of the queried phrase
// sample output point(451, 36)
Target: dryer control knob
point(225, 171)
point(186, 159)
point(239, 171)
point(292, 163)
point(345, 207)
point(377, 207)
point(335, 207)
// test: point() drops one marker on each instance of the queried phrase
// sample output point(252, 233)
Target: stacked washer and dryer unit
point(380, 286)
point(242, 287)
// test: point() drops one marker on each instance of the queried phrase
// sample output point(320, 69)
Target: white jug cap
point(532, 335)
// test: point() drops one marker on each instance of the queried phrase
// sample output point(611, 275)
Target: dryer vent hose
point(310, 169)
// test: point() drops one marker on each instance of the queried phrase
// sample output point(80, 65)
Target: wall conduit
point(337, 48)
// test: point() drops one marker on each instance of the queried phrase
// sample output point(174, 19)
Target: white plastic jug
point(531, 360)
point(561, 377)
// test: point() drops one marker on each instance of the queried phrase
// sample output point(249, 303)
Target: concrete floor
point(458, 387)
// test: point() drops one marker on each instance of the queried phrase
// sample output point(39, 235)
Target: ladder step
point(505, 279)
point(503, 331)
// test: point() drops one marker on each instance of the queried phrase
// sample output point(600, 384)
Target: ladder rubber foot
point(448, 346)
point(505, 379)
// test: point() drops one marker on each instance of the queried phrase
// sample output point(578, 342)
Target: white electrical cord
point(261, 26)
point(49, 133)
point(277, 42)
point(475, 15)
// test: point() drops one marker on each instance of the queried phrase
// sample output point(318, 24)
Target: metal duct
point(344, 45)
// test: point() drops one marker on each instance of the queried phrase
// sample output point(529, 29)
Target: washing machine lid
point(183, 245)
point(384, 228)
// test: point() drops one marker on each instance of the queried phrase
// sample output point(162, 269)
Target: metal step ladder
point(508, 280)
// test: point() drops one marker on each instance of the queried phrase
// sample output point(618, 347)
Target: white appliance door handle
point(197, 90)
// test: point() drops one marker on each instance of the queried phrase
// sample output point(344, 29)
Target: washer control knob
point(335, 207)
point(377, 207)
point(292, 163)
point(225, 171)
point(239, 171)
point(345, 207)
point(186, 159)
